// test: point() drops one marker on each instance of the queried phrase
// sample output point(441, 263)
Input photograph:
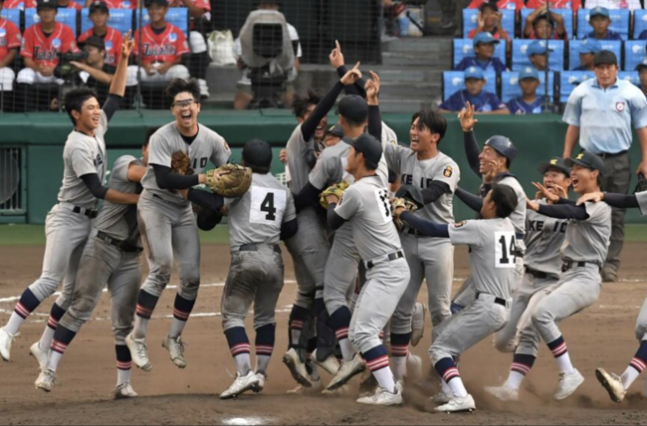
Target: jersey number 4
point(267, 206)
point(506, 249)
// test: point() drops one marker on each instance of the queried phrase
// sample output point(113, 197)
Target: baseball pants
point(467, 293)
point(169, 229)
point(104, 265)
point(176, 71)
point(254, 277)
point(29, 76)
point(7, 77)
point(617, 178)
point(341, 269)
point(641, 323)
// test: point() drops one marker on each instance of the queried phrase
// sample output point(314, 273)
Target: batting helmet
point(503, 146)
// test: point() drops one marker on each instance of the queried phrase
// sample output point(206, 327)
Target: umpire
point(600, 113)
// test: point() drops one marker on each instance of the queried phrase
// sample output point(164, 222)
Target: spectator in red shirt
point(9, 44)
point(575, 5)
point(99, 15)
point(69, 4)
point(502, 4)
point(19, 4)
point(489, 20)
point(542, 25)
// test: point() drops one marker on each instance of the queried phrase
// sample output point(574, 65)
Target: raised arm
point(472, 150)
point(372, 98)
point(336, 58)
point(118, 84)
point(559, 211)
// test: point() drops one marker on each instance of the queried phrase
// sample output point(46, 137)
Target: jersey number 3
point(268, 205)
point(505, 249)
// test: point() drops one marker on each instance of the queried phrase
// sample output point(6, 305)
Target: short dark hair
point(432, 120)
point(301, 103)
point(641, 67)
point(75, 99)
point(149, 134)
point(354, 123)
point(545, 17)
point(505, 200)
point(179, 85)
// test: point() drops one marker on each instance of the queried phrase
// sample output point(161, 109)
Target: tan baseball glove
point(396, 203)
point(181, 163)
point(336, 189)
point(230, 180)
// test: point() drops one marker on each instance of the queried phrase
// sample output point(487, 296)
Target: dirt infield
point(601, 336)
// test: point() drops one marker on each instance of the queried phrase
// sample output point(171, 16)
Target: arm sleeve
point(111, 105)
point(472, 151)
point(206, 200)
point(308, 196)
point(289, 229)
point(290, 210)
point(208, 219)
point(434, 192)
point(166, 179)
point(621, 201)
point(565, 211)
point(425, 227)
point(93, 183)
point(474, 202)
point(375, 122)
point(335, 221)
point(354, 89)
point(565, 201)
point(323, 107)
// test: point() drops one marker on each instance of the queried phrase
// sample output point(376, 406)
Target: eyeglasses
point(185, 103)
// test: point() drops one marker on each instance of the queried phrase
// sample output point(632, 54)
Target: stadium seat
point(566, 13)
point(470, 18)
point(81, 2)
point(178, 16)
point(120, 19)
point(11, 15)
point(64, 16)
point(510, 85)
point(631, 76)
point(568, 81)
point(574, 46)
point(520, 57)
point(640, 22)
point(635, 54)
point(453, 81)
point(619, 22)
point(464, 48)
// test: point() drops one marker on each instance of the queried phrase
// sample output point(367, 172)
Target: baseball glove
point(408, 206)
point(411, 194)
point(181, 163)
point(230, 180)
point(641, 186)
point(336, 189)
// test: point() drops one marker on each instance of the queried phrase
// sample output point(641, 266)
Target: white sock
point(385, 379)
point(177, 327)
point(347, 351)
point(54, 359)
point(46, 339)
point(243, 364)
point(295, 333)
point(514, 380)
point(262, 362)
point(629, 377)
point(564, 364)
point(141, 327)
point(123, 376)
point(315, 372)
point(445, 387)
point(457, 387)
point(399, 367)
point(14, 324)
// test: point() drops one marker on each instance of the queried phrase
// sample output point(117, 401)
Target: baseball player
point(117, 4)
point(366, 207)
point(42, 44)
point(110, 259)
point(257, 221)
point(166, 219)
point(492, 251)
point(99, 15)
point(10, 40)
point(68, 223)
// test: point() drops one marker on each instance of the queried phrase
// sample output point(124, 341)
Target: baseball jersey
point(484, 102)
point(502, 4)
point(544, 240)
point(83, 155)
point(298, 150)
point(119, 221)
point(71, 5)
point(555, 36)
point(331, 167)
point(170, 45)
point(121, 4)
point(611, 35)
point(497, 33)
point(588, 240)
point(518, 216)
point(208, 145)
point(519, 107)
point(492, 246)
point(493, 64)
point(421, 174)
point(642, 202)
point(575, 5)
point(20, 4)
point(45, 50)
point(9, 37)
point(366, 206)
point(257, 216)
point(113, 40)
point(614, 4)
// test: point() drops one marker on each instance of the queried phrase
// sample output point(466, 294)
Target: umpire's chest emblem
point(620, 106)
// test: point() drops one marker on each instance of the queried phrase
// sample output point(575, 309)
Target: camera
point(65, 69)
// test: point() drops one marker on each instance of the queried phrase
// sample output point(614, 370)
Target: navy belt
point(256, 247)
point(537, 274)
point(497, 300)
point(125, 246)
point(519, 236)
point(86, 212)
point(390, 258)
point(569, 264)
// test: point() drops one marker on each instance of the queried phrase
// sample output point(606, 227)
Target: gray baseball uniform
point(492, 246)
point(110, 258)
point(641, 322)
point(256, 272)
point(166, 220)
point(428, 258)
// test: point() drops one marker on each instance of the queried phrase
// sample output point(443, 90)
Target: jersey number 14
point(505, 249)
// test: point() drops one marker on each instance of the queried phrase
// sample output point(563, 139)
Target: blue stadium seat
point(178, 16)
point(12, 15)
point(453, 81)
point(64, 16)
point(574, 46)
point(568, 81)
point(631, 76)
point(619, 22)
point(470, 19)
point(520, 57)
point(81, 2)
point(510, 85)
point(120, 19)
point(640, 22)
point(566, 13)
point(464, 48)
point(635, 54)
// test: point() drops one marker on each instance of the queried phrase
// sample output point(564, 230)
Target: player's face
point(484, 51)
point(490, 17)
point(600, 24)
point(89, 117)
point(352, 163)
point(554, 178)
point(586, 59)
point(320, 131)
point(486, 157)
point(99, 18)
point(186, 110)
point(529, 86)
point(474, 87)
point(643, 78)
point(582, 178)
point(539, 61)
point(47, 15)
point(606, 74)
point(157, 13)
point(543, 29)
point(421, 137)
point(95, 56)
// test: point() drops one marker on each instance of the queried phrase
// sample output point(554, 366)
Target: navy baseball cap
point(599, 11)
point(538, 48)
point(97, 42)
point(149, 3)
point(335, 130)
point(588, 160)
point(474, 73)
point(354, 107)
point(43, 4)
point(484, 38)
point(367, 145)
point(605, 57)
point(590, 46)
point(99, 6)
point(555, 163)
point(258, 153)
point(528, 73)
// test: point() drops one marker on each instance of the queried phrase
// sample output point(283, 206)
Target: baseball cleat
point(315, 389)
point(414, 368)
point(347, 371)
point(175, 348)
point(125, 391)
point(331, 365)
point(568, 383)
point(40, 355)
point(139, 352)
point(261, 382)
point(418, 323)
point(441, 398)
point(297, 367)
point(503, 393)
point(612, 384)
point(46, 380)
point(6, 341)
point(384, 397)
point(241, 385)
point(458, 405)
point(367, 384)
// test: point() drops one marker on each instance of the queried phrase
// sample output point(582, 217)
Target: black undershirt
point(189, 139)
point(158, 31)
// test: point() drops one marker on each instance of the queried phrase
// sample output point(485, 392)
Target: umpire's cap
point(503, 146)
point(588, 160)
point(257, 153)
point(556, 163)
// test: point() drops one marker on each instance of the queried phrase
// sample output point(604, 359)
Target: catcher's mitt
point(641, 186)
point(230, 180)
point(408, 206)
point(336, 189)
point(181, 163)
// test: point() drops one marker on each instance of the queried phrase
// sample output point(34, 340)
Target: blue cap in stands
point(538, 48)
point(46, 4)
point(590, 46)
point(599, 11)
point(528, 72)
point(484, 38)
point(474, 73)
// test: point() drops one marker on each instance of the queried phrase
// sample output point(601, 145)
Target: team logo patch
point(226, 146)
point(448, 172)
point(553, 161)
point(109, 45)
point(172, 38)
point(620, 106)
point(56, 43)
point(580, 156)
point(459, 224)
point(3, 32)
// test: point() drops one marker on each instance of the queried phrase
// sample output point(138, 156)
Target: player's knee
point(230, 321)
point(541, 316)
point(198, 43)
point(45, 286)
point(26, 76)
point(7, 77)
point(179, 71)
point(641, 332)
point(82, 307)
point(504, 344)
point(131, 76)
point(120, 332)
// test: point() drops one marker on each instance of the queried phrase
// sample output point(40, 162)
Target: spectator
point(43, 43)
point(117, 4)
point(588, 50)
point(614, 4)
point(163, 46)
point(575, 5)
point(501, 4)
point(538, 55)
point(484, 45)
point(20, 4)
point(99, 15)
point(642, 72)
point(9, 44)
point(528, 102)
point(643, 35)
point(69, 4)
point(96, 72)
point(542, 25)
point(600, 21)
point(489, 20)
point(484, 102)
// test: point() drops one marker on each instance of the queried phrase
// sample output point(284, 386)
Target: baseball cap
point(492, 5)
point(590, 46)
point(484, 38)
point(149, 3)
point(555, 163)
point(367, 145)
point(474, 73)
point(99, 6)
point(52, 4)
point(599, 11)
point(605, 57)
point(257, 152)
point(538, 48)
point(527, 73)
point(335, 130)
point(97, 42)
point(588, 160)
point(354, 108)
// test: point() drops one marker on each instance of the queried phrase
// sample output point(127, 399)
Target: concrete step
point(405, 106)
point(403, 60)
point(408, 90)
point(422, 44)
point(409, 74)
